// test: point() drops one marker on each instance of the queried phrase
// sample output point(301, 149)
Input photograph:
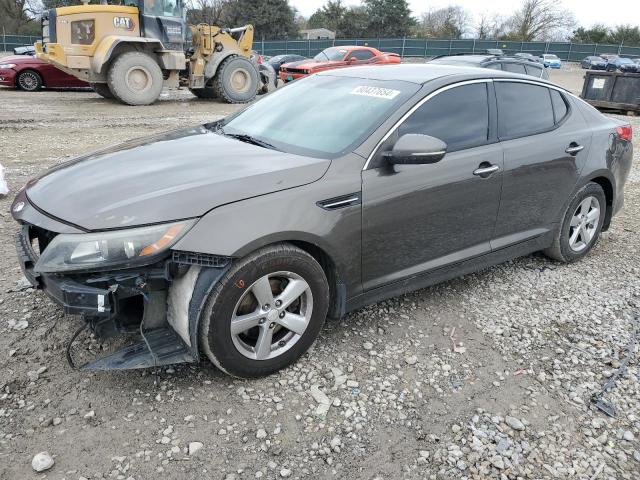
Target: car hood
point(176, 175)
point(310, 64)
point(20, 59)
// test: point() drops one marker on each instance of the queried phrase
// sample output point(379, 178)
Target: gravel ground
point(485, 376)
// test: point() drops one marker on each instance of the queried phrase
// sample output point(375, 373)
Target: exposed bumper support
point(160, 347)
point(113, 302)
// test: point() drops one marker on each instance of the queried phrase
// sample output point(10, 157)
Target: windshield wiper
point(243, 137)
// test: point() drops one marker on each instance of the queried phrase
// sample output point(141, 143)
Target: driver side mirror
point(416, 149)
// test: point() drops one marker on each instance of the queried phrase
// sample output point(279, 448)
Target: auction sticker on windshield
point(377, 92)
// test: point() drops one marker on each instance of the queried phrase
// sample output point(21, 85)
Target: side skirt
point(449, 272)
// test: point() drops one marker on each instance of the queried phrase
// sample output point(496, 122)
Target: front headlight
point(117, 248)
point(7, 65)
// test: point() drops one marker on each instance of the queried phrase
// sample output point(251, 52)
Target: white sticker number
point(377, 92)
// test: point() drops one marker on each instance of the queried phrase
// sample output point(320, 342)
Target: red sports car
point(29, 73)
point(336, 57)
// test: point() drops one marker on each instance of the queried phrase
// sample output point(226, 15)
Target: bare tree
point(540, 20)
point(448, 22)
point(206, 11)
point(17, 15)
point(492, 26)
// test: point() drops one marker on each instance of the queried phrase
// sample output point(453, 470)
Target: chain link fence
point(421, 47)
point(9, 42)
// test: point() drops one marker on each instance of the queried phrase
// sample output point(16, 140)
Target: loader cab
point(164, 20)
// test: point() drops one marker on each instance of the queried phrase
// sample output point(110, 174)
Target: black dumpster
point(612, 90)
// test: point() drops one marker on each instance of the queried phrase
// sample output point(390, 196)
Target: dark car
point(508, 64)
point(594, 63)
point(609, 56)
point(625, 65)
point(26, 50)
point(279, 60)
point(527, 56)
point(30, 74)
point(234, 240)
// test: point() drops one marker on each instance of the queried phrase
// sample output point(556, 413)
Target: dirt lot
point(486, 376)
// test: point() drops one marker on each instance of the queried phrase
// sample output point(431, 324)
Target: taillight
point(625, 132)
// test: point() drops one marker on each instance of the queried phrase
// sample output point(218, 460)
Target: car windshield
point(322, 115)
point(333, 54)
point(625, 60)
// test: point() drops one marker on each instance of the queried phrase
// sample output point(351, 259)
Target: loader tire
point(236, 80)
point(206, 93)
point(135, 78)
point(102, 89)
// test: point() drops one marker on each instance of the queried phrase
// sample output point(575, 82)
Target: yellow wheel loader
point(129, 52)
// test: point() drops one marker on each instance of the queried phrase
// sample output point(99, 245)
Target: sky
point(586, 12)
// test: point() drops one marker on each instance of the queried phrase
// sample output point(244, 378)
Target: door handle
point(573, 148)
point(485, 170)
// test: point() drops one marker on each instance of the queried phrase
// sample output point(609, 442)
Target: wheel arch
point(112, 46)
point(211, 67)
point(322, 253)
point(607, 185)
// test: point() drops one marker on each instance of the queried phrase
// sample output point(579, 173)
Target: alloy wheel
point(28, 81)
point(272, 315)
point(584, 224)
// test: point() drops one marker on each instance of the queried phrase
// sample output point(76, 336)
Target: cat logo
point(124, 23)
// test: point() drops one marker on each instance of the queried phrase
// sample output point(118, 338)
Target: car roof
point(466, 58)
point(423, 73)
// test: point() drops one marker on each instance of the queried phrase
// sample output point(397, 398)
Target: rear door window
point(514, 67)
point(459, 117)
point(560, 109)
point(533, 70)
point(523, 109)
point(494, 66)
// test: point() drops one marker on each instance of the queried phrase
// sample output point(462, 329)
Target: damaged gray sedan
point(235, 240)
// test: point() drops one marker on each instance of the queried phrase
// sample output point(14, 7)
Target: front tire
point(135, 78)
point(236, 80)
point(581, 225)
point(265, 312)
point(206, 93)
point(29, 81)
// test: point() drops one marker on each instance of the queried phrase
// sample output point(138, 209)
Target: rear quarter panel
point(609, 156)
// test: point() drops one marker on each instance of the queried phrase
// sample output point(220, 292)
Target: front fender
point(237, 229)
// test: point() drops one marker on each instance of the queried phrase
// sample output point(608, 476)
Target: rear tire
point(236, 80)
point(135, 78)
point(270, 290)
point(29, 81)
point(102, 89)
point(581, 225)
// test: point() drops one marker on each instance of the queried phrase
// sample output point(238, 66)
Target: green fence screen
point(421, 47)
point(9, 42)
point(406, 47)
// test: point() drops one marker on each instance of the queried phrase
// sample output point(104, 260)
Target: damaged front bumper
point(137, 301)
